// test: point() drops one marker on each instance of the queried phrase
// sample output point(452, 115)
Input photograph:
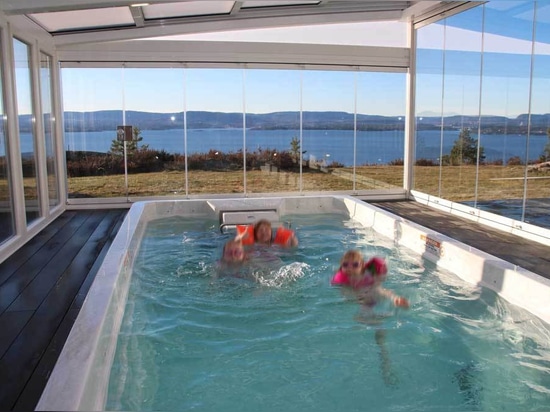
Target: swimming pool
point(79, 381)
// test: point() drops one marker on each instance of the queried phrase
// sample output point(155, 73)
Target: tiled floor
point(43, 285)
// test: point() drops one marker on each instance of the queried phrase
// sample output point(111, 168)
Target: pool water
point(281, 338)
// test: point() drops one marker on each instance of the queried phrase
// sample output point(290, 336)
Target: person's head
point(352, 263)
point(262, 231)
point(233, 251)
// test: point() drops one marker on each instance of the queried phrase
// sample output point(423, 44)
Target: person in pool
point(262, 233)
point(233, 252)
point(366, 278)
point(232, 261)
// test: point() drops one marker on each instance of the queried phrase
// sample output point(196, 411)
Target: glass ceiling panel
point(257, 4)
point(80, 19)
point(186, 9)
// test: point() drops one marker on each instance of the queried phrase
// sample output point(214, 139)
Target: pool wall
point(80, 378)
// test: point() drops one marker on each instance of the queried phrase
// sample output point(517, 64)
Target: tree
point(117, 146)
point(464, 150)
point(295, 149)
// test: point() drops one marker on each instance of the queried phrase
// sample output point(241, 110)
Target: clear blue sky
point(170, 90)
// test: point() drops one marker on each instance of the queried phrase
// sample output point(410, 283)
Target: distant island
point(110, 119)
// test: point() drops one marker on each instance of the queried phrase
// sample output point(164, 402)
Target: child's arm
point(398, 301)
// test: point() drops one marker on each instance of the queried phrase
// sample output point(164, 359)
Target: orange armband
point(248, 232)
point(283, 236)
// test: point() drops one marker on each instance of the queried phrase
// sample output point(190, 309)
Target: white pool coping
point(80, 377)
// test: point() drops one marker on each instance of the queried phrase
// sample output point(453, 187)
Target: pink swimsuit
point(340, 278)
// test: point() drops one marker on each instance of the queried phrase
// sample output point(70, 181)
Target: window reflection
point(91, 117)
point(509, 134)
point(26, 128)
point(6, 205)
point(46, 96)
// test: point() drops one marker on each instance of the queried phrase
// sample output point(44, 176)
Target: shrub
point(514, 161)
point(425, 162)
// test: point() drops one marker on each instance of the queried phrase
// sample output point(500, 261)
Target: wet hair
point(231, 242)
point(352, 254)
point(258, 224)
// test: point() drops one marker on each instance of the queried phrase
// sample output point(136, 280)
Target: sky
point(506, 64)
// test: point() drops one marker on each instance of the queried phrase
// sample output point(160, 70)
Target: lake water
point(373, 147)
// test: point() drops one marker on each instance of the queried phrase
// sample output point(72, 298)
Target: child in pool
point(366, 278)
point(232, 262)
point(262, 233)
point(233, 252)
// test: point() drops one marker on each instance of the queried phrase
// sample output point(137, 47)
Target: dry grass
point(457, 182)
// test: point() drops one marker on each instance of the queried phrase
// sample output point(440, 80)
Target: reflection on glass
point(459, 165)
point(505, 108)
point(508, 138)
point(328, 129)
point(215, 130)
point(95, 164)
point(273, 141)
point(26, 128)
point(46, 96)
point(6, 211)
point(380, 131)
point(537, 205)
point(156, 165)
point(429, 100)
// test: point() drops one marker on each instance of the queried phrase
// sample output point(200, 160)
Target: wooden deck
point(42, 288)
point(43, 285)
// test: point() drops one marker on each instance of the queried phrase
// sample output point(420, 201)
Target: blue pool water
point(283, 339)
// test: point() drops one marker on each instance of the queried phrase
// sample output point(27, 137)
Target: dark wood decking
point(42, 288)
point(43, 285)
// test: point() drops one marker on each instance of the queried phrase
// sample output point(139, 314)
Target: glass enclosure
point(48, 124)
point(482, 109)
point(27, 131)
point(232, 130)
point(6, 205)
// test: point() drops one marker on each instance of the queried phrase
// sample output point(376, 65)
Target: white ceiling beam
point(244, 53)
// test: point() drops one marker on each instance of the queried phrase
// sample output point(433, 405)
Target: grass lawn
point(456, 183)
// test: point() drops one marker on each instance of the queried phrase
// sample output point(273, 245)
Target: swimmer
point(262, 233)
point(366, 278)
point(232, 261)
point(233, 252)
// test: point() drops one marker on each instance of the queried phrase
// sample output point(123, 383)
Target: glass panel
point(6, 206)
point(505, 106)
point(93, 100)
point(463, 37)
point(26, 128)
point(380, 131)
point(429, 92)
point(46, 96)
point(215, 140)
point(273, 137)
point(537, 210)
point(328, 137)
point(155, 109)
